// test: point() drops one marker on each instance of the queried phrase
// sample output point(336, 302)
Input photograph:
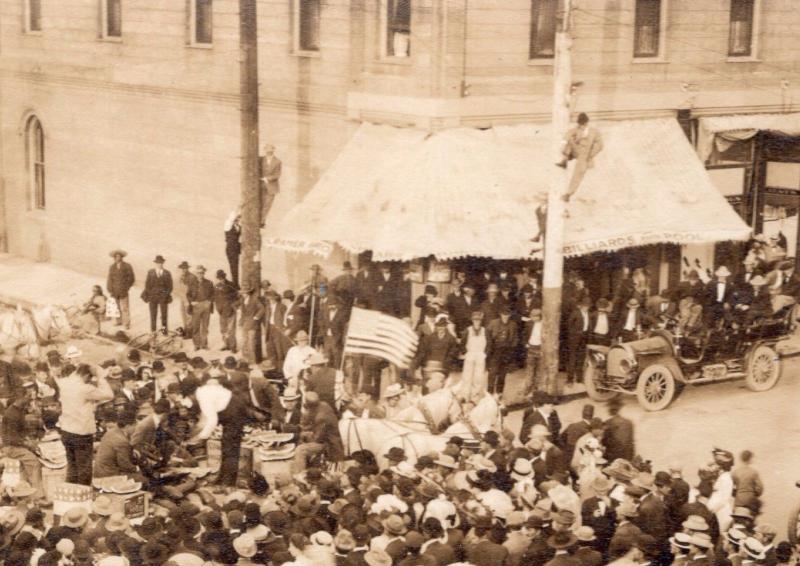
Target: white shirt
point(536, 334)
point(585, 317)
point(601, 325)
point(720, 291)
point(295, 361)
point(630, 321)
point(272, 311)
point(211, 398)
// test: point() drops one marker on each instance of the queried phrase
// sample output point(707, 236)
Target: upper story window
point(306, 25)
point(201, 22)
point(741, 33)
point(33, 15)
point(34, 153)
point(543, 29)
point(648, 28)
point(398, 28)
point(111, 18)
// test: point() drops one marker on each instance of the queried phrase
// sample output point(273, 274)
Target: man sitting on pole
point(581, 143)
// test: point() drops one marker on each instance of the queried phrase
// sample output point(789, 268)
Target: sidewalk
point(28, 283)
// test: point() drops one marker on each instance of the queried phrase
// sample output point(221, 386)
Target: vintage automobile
point(657, 366)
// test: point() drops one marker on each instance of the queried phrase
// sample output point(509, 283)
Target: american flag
point(380, 335)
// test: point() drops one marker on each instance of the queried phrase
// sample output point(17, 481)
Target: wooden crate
point(276, 471)
point(214, 458)
point(134, 506)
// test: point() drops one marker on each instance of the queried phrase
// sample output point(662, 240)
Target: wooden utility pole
point(250, 174)
point(552, 277)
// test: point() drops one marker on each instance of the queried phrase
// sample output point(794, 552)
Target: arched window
point(34, 146)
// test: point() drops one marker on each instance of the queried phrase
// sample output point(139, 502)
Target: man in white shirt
point(534, 346)
point(297, 358)
point(601, 324)
point(719, 294)
point(79, 397)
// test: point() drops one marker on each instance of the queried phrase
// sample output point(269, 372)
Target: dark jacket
point(267, 397)
point(158, 289)
point(114, 455)
point(433, 348)
point(486, 553)
point(322, 380)
point(120, 279)
point(252, 313)
point(618, 439)
point(460, 311)
point(324, 426)
point(226, 298)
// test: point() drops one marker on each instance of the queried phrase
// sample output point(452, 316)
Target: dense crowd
point(550, 495)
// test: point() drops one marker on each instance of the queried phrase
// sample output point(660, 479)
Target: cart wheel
point(168, 346)
point(590, 375)
point(793, 529)
point(763, 368)
point(141, 342)
point(655, 388)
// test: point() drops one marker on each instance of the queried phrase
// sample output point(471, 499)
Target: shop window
point(732, 153)
point(111, 18)
point(33, 16)
point(201, 22)
point(648, 32)
point(543, 29)
point(306, 25)
point(742, 25)
point(34, 149)
point(398, 28)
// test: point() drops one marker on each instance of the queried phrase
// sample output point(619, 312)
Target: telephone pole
point(250, 174)
point(552, 278)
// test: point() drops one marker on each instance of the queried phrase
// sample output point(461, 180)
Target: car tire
point(590, 374)
point(655, 388)
point(763, 368)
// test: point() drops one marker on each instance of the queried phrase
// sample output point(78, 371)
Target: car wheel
point(763, 368)
point(655, 388)
point(591, 373)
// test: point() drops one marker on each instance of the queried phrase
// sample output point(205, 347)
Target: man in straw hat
point(119, 283)
point(158, 292)
point(201, 298)
point(389, 407)
point(719, 296)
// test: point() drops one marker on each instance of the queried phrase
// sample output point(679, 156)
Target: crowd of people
point(551, 495)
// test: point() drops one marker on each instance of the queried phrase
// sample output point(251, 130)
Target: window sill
point(742, 59)
point(648, 61)
point(541, 62)
point(306, 53)
point(200, 45)
point(392, 60)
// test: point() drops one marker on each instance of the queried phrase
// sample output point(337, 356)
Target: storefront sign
point(613, 244)
point(778, 191)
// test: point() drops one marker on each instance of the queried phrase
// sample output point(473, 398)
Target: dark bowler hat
point(347, 266)
point(159, 259)
point(182, 265)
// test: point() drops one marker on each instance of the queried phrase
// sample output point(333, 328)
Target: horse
point(440, 405)
point(52, 323)
point(379, 435)
point(18, 333)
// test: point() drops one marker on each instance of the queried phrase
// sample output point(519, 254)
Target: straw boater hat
point(290, 394)
point(681, 540)
point(701, 540)
point(72, 353)
point(754, 549)
point(633, 302)
point(117, 252)
point(722, 271)
point(393, 390)
point(758, 281)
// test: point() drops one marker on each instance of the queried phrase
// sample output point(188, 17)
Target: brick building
point(119, 120)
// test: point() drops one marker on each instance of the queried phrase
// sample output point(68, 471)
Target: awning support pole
point(556, 207)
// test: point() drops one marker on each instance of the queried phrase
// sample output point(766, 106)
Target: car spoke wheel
point(763, 368)
point(591, 374)
point(655, 388)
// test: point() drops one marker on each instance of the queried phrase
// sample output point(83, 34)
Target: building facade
point(119, 122)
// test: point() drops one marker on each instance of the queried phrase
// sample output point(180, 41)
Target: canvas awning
point(405, 194)
point(722, 131)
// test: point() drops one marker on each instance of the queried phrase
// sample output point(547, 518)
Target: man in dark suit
point(120, 280)
point(719, 296)
point(578, 329)
point(201, 298)
point(296, 317)
point(540, 412)
point(290, 420)
point(264, 398)
point(344, 286)
point(576, 430)
point(618, 437)
point(441, 347)
point(274, 310)
point(501, 338)
point(158, 293)
point(333, 327)
point(485, 552)
point(233, 247)
point(385, 291)
point(250, 320)
point(632, 322)
point(321, 379)
point(226, 301)
point(320, 433)
point(460, 304)
point(492, 305)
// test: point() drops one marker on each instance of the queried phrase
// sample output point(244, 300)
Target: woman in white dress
point(473, 343)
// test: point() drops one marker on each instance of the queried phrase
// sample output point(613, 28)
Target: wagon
point(656, 367)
